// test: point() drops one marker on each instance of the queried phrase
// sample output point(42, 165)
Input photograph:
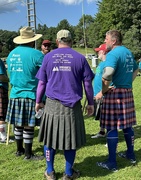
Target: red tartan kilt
point(118, 111)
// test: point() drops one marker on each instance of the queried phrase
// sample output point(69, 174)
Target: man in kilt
point(3, 98)
point(61, 77)
point(118, 110)
point(23, 63)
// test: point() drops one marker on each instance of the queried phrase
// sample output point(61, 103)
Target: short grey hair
point(115, 35)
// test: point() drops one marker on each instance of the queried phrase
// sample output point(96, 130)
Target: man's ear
point(57, 42)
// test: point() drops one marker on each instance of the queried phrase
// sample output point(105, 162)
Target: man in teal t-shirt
point(118, 110)
point(23, 64)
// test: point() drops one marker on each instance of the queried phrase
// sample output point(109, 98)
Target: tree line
point(123, 15)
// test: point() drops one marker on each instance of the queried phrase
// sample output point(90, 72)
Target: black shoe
point(20, 153)
point(33, 157)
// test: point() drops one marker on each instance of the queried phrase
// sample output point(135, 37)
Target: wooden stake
point(8, 134)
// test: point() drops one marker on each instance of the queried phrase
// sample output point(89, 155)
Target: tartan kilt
point(3, 103)
point(118, 111)
point(62, 127)
point(21, 112)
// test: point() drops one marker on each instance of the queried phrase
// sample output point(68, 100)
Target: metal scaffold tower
point(31, 14)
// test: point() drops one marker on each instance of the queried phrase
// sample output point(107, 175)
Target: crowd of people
point(54, 80)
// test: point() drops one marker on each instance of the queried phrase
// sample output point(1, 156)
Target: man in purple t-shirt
point(62, 76)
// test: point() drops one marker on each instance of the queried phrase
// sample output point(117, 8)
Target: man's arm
point(39, 95)
point(89, 94)
point(107, 78)
point(135, 74)
point(105, 85)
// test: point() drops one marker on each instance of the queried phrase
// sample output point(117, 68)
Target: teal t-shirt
point(139, 65)
point(122, 60)
point(3, 72)
point(23, 64)
point(97, 83)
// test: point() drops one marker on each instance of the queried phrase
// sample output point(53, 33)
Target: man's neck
point(115, 46)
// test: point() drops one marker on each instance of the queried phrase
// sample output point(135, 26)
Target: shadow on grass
point(94, 171)
point(102, 140)
point(88, 167)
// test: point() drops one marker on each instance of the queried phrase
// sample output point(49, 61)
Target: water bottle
point(39, 113)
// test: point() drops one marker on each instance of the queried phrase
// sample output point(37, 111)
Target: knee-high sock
point(112, 141)
point(28, 135)
point(3, 131)
point(70, 157)
point(129, 138)
point(49, 154)
point(18, 132)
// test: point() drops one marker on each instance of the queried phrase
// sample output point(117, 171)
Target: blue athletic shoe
point(108, 165)
point(130, 157)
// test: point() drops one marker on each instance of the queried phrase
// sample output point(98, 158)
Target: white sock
point(3, 132)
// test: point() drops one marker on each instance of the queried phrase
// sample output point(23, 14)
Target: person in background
point(97, 83)
point(23, 63)
point(3, 99)
point(140, 65)
point(118, 111)
point(46, 46)
point(62, 127)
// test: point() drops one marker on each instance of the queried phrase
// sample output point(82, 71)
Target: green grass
point(85, 51)
point(15, 168)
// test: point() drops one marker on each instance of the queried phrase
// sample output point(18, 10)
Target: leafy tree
point(132, 41)
point(64, 24)
point(48, 33)
point(81, 30)
point(123, 15)
point(7, 39)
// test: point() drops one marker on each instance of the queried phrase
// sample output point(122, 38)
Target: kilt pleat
point(118, 111)
point(21, 112)
point(62, 127)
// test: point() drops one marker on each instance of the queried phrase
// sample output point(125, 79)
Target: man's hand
point(90, 110)
point(99, 96)
point(39, 106)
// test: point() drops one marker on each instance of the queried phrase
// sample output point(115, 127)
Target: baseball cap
point(63, 34)
point(101, 47)
point(46, 41)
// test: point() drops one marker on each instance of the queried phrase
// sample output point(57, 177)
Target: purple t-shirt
point(63, 70)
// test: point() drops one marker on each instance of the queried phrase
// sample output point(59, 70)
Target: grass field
point(15, 168)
